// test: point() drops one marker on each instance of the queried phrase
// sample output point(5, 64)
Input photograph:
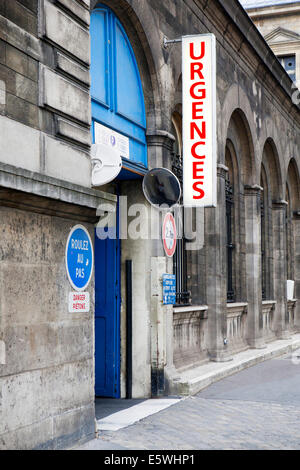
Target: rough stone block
point(33, 69)
point(20, 144)
point(8, 76)
point(30, 4)
point(19, 38)
point(23, 111)
point(36, 346)
point(61, 94)
point(21, 16)
point(64, 162)
point(21, 62)
point(72, 131)
point(79, 11)
point(35, 436)
point(26, 89)
point(20, 232)
point(59, 28)
point(2, 52)
point(27, 292)
point(2, 93)
point(73, 426)
point(16, 60)
point(46, 392)
point(72, 68)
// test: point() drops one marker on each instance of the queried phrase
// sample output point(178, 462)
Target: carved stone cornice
point(222, 171)
point(160, 138)
point(254, 190)
point(279, 205)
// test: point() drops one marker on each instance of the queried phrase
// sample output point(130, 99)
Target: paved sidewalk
point(258, 408)
point(107, 406)
point(194, 380)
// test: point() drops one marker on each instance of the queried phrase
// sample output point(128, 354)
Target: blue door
point(117, 103)
point(107, 317)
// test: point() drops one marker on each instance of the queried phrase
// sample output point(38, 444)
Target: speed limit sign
point(169, 235)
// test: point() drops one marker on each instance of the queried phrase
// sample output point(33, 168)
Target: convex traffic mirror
point(161, 186)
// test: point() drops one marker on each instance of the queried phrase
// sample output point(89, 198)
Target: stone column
point(158, 327)
point(281, 320)
point(216, 295)
point(139, 250)
point(160, 145)
point(296, 223)
point(170, 372)
point(253, 265)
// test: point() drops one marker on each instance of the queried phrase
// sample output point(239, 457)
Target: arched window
point(116, 89)
point(292, 225)
point(289, 236)
point(264, 234)
point(229, 194)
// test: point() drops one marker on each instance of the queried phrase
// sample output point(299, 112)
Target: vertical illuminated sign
point(199, 120)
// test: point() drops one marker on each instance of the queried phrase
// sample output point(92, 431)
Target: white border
point(66, 250)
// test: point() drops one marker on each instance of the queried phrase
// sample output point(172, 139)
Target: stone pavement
point(258, 408)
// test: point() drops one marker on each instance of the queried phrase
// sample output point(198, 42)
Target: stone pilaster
point(281, 319)
point(158, 327)
point(160, 144)
point(216, 272)
point(296, 223)
point(253, 265)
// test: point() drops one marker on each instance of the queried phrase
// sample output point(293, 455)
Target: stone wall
point(46, 383)
point(47, 353)
point(44, 78)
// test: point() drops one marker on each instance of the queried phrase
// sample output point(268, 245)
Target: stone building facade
point(50, 359)
point(279, 23)
point(46, 371)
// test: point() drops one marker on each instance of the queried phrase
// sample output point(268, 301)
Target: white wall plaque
point(106, 136)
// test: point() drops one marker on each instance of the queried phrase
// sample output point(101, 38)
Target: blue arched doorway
point(118, 106)
point(116, 88)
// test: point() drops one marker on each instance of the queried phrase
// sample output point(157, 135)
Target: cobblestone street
point(258, 408)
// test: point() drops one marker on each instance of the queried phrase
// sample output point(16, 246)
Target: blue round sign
point(79, 257)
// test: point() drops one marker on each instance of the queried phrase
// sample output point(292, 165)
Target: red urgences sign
point(199, 120)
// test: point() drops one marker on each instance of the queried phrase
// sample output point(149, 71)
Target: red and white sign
point(169, 235)
point(79, 302)
point(199, 120)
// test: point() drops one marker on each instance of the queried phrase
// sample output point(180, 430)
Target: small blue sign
point(169, 289)
point(79, 257)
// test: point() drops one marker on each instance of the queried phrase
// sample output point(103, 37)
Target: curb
point(193, 385)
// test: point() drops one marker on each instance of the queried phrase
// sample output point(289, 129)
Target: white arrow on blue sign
point(79, 258)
